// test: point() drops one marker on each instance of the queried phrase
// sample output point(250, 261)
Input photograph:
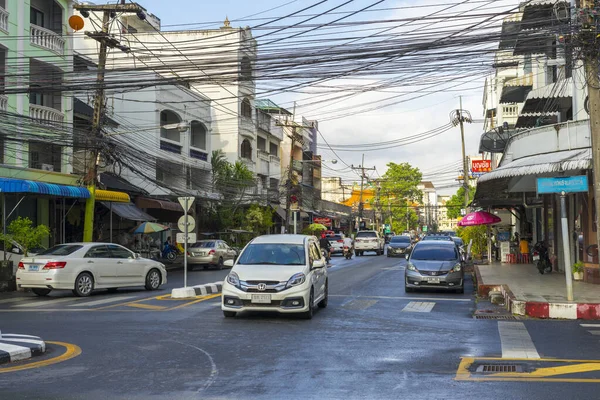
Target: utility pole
point(106, 40)
point(465, 164)
point(362, 187)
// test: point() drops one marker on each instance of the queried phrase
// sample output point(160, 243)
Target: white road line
point(42, 303)
point(590, 325)
point(15, 299)
point(102, 301)
point(515, 341)
point(595, 333)
point(403, 298)
point(419, 306)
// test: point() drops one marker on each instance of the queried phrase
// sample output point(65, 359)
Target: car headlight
point(456, 268)
point(233, 279)
point(411, 267)
point(295, 280)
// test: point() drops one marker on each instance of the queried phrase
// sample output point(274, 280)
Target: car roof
point(287, 239)
point(436, 243)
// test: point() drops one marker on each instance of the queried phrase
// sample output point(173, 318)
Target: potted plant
point(577, 269)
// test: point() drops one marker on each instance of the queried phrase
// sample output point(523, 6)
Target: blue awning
point(50, 189)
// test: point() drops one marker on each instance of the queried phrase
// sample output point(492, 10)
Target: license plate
point(433, 280)
point(34, 267)
point(261, 298)
point(536, 258)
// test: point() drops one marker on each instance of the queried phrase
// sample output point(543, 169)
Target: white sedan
point(83, 267)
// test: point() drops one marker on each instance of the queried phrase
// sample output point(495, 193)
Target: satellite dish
point(76, 22)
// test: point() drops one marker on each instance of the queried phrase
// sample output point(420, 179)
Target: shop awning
point(532, 120)
point(128, 211)
point(515, 90)
point(112, 196)
point(560, 161)
point(145, 202)
point(8, 185)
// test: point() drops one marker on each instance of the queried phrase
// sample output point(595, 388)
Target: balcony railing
point(3, 20)
point(3, 102)
point(45, 115)
point(263, 155)
point(47, 39)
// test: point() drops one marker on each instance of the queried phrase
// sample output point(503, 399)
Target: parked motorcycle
point(541, 258)
point(170, 253)
point(348, 252)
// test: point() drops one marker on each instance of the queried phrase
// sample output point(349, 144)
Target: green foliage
point(577, 267)
point(21, 230)
point(399, 217)
point(457, 202)
point(398, 188)
point(479, 236)
point(259, 219)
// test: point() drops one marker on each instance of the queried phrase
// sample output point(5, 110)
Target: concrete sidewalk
point(527, 292)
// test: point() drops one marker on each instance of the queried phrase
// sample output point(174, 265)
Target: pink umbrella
point(479, 218)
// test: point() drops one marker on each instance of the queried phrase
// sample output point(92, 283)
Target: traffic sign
point(191, 238)
point(191, 223)
point(190, 201)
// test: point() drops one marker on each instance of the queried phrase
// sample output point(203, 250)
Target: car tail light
point(210, 253)
point(55, 265)
point(535, 253)
point(21, 265)
point(340, 241)
point(188, 253)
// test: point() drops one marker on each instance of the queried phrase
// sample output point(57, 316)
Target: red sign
point(481, 166)
point(322, 221)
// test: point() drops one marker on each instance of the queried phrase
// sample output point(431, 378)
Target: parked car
point(337, 243)
point(84, 267)
point(282, 273)
point(368, 241)
point(399, 246)
point(212, 252)
point(434, 264)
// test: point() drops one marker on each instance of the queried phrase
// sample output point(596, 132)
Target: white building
point(428, 204)
point(444, 223)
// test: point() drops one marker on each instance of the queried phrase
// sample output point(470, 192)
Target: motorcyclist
point(325, 245)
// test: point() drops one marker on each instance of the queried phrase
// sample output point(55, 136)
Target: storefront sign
point(322, 221)
point(567, 184)
point(479, 167)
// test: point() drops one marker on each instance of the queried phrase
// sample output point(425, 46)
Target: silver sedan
point(208, 253)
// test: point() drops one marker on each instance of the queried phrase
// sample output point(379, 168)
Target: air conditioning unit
point(47, 167)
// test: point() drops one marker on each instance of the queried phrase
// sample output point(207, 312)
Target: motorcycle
point(170, 253)
point(541, 258)
point(326, 255)
point(347, 252)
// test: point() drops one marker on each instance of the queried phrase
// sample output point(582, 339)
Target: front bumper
point(450, 281)
point(282, 302)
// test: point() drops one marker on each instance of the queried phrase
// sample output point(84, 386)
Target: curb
point(198, 290)
point(537, 309)
point(15, 347)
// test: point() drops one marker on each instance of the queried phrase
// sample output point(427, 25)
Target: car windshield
point(434, 253)
point(400, 239)
point(366, 234)
point(335, 237)
point(273, 253)
point(205, 245)
point(61, 250)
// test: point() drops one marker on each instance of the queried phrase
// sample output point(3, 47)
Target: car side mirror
point(228, 263)
point(137, 255)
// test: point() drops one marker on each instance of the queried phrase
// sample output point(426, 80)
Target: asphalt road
point(370, 343)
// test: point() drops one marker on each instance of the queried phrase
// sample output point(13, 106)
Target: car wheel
point(362, 253)
point(356, 253)
point(41, 292)
point(153, 279)
point(323, 303)
point(84, 284)
point(220, 263)
point(171, 256)
point(229, 314)
point(461, 290)
point(311, 299)
point(112, 290)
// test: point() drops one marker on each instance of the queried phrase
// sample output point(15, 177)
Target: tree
point(259, 219)
point(479, 236)
point(399, 188)
point(22, 232)
point(457, 202)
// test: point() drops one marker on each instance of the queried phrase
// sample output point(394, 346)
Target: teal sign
point(567, 184)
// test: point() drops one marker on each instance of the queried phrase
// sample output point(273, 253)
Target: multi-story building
point(428, 204)
point(268, 168)
point(444, 223)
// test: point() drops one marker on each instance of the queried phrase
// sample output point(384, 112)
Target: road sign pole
point(566, 246)
point(295, 221)
point(185, 215)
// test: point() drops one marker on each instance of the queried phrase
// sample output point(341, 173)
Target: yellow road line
point(123, 304)
point(212, 296)
point(72, 351)
point(145, 306)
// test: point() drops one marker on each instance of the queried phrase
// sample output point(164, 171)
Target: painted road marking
point(542, 370)
point(16, 352)
point(103, 301)
point(419, 306)
point(71, 351)
point(145, 306)
point(14, 300)
point(404, 298)
point(41, 303)
point(595, 333)
point(515, 341)
point(359, 304)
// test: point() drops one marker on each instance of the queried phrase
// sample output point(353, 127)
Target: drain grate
point(511, 317)
point(489, 368)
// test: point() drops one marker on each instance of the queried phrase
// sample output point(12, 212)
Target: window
point(246, 109)
point(366, 235)
point(98, 252)
point(120, 252)
point(198, 135)
point(60, 250)
point(167, 171)
point(274, 149)
point(205, 245)
point(168, 117)
point(261, 143)
point(434, 253)
point(45, 156)
point(36, 17)
point(246, 69)
point(275, 253)
point(400, 239)
point(246, 149)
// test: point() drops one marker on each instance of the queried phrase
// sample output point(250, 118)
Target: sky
point(389, 123)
